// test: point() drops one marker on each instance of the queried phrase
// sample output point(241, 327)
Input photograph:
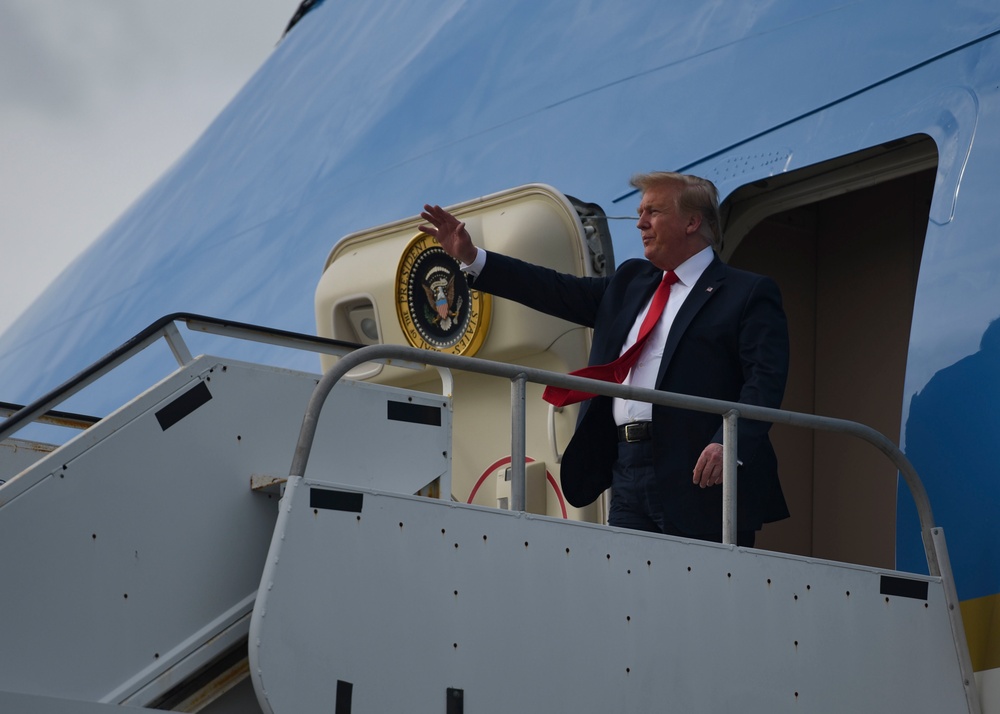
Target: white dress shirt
point(643, 373)
point(476, 266)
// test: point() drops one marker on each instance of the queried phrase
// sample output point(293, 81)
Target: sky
point(97, 99)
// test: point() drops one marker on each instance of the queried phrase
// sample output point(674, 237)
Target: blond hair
point(697, 195)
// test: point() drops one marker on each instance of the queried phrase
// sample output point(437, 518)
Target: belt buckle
point(637, 426)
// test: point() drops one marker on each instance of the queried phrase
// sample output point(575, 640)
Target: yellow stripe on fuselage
point(982, 630)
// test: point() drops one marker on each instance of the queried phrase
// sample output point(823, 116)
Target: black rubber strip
point(903, 587)
point(335, 500)
point(344, 691)
point(183, 405)
point(413, 413)
point(455, 701)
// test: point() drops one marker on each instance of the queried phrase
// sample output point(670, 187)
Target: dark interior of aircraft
point(844, 241)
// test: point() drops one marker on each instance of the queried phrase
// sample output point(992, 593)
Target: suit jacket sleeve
point(558, 294)
point(763, 353)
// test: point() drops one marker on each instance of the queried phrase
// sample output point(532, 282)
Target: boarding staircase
point(167, 557)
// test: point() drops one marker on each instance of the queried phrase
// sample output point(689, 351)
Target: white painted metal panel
point(18, 454)
point(410, 597)
point(138, 543)
point(376, 436)
point(132, 554)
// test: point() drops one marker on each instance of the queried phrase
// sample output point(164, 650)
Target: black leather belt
point(635, 431)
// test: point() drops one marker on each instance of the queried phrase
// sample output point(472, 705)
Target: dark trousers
point(637, 497)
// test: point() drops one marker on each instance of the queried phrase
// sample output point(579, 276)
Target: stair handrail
point(519, 375)
point(164, 328)
point(352, 355)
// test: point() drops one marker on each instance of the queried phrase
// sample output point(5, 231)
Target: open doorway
point(843, 239)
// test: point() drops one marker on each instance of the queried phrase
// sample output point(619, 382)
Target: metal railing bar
point(292, 340)
point(176, 343)
point(281, 338)
point(518, 443)
point(729, 475)
point(164, 327)
point(376, 353)
point(57, 418)
point(82, 379)
point(957, 625)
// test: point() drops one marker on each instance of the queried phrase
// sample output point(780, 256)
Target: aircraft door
point(394, 285)
point(845, 252)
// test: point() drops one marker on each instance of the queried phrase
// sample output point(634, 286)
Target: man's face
point(669, 236)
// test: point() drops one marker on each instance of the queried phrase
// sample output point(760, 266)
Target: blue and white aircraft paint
point(856, 146)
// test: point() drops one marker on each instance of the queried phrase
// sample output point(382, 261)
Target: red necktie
point(618, 370)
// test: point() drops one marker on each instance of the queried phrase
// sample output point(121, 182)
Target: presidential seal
point(436, 307)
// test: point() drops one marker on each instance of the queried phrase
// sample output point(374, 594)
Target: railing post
point(729, 466)
point(177, 344)
point(517, 441)
point(955, 616)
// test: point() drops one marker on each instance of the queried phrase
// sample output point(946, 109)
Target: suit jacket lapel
point(642, 289)
point(703, 290)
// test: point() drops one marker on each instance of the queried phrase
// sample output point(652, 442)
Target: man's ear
point(693, 224)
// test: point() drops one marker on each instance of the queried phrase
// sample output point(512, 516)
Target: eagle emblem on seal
point(437, 307)
point(439, 287)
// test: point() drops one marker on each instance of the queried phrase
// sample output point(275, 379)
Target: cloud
point(60, 55)
point(97, 99)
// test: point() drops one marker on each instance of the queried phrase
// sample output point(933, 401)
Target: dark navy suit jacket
point(729, 341)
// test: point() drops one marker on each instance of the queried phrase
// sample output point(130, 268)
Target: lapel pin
point(708, 290)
